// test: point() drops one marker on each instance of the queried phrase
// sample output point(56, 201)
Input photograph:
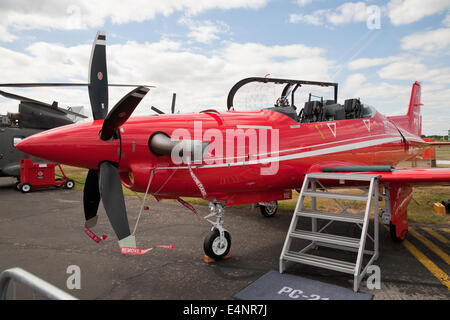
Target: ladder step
point(326, 238)
point(336, 196)
point(342, 176)
point(331, 216)
point(317, 261)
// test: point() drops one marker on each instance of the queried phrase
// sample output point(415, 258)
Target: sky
point(199, 49)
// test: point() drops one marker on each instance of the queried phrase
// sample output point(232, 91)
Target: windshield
point(257, 95)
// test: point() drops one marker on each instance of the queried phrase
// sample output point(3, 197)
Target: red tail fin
point(412, 121)
point(414, 116)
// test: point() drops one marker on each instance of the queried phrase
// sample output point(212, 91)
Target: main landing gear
point(217, 243)
point(268, 209)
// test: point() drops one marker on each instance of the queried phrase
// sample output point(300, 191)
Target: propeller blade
point(122, 111)
point(26, 99)
point(113, 199)
point(91, 196)
point(98, 77)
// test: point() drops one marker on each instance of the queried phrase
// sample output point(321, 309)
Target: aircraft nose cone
point(76, 145)
point(28, 146)
point(49, 145)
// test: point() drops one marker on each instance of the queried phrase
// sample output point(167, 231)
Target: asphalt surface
point(42, 232)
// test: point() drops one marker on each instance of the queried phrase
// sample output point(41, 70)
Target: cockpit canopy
point(313, 110)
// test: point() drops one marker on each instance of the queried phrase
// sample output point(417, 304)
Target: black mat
point(276, 286)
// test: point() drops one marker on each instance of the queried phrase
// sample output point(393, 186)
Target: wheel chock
point(208, 259)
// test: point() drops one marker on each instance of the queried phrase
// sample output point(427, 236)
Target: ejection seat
point(352, 108)
point(312, 112)
point(333, 112)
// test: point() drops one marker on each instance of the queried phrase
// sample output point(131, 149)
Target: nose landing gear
point(217, 243)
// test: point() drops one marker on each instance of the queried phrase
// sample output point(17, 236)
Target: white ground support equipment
point(31, 281)
point(318, 238)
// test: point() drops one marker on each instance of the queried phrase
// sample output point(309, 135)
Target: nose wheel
point(217, 243)
point(215, 246)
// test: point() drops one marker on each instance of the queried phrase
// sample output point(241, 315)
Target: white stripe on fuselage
point(306, 154)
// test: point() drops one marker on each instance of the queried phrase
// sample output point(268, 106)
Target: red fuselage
point(234, 177)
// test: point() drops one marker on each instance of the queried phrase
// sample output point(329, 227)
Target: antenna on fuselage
point(174, 98)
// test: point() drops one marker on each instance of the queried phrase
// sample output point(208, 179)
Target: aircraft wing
point(437, 143)
point(402, 176)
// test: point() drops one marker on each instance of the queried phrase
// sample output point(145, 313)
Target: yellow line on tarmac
point(436, 235)
point(430, 245)
point(433, 268)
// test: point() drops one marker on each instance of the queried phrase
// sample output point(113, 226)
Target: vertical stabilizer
point(412, 121)
point(414, 116)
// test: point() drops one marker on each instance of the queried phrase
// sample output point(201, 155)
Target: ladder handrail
point(294, 218)
point(362, 242)
point(30, 280)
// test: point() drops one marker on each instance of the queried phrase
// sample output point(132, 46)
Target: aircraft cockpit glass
point(282, 102)
point(368, 111)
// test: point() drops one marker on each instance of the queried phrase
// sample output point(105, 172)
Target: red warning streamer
point(187, 205)
point(198, 182)
point(128, 250)
point(136, 251)
point(172, 246)
point(93, 236)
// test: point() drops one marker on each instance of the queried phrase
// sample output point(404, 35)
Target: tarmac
point(42, 232)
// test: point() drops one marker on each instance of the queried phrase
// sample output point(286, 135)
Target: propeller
point(122, 111)
point(104, 184)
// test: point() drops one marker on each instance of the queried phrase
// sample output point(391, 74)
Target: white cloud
point(5, 36)
point(446, 21)
point(201, 81)
point(364, 63)
point(204, 31)
point(315, 18)
point(349, 12)
point(408, 11)
point(345, 13)
point(415, 70)
point(83, 14)
point(431, 42)
point(376, 94)
point(303, 3)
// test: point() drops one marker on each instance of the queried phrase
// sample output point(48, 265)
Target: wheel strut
point(217, 243)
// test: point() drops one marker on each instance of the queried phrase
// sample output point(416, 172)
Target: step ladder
point(312, 187)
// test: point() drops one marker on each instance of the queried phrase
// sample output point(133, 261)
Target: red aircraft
point(195, 155)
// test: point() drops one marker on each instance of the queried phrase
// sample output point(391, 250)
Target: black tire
point(210, 245)
point(393, 232)
point(269, 212)
point(25, 188)
point(70, 184)
point(18, 186)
